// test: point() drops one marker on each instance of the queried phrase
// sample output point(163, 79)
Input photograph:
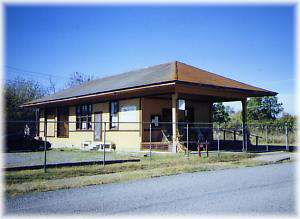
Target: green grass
point(20, 182)
point(63, 155)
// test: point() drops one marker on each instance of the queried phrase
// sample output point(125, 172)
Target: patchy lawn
point(21, 182)
point(55, 155)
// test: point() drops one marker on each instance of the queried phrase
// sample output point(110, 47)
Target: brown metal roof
point(159, 74)
point(188, 73)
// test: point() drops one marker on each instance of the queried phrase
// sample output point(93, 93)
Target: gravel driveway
point(259, 190)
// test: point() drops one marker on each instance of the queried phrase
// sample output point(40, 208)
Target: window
point(155, 121)
point(128, 113)
point(84, 117)
point(113, 118)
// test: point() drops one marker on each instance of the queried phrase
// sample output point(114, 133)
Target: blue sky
point(252, 44)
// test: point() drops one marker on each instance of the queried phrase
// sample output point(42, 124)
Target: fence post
point(218, 138)
point(104, 143)
point(246, 138)
point(187, 139)
point(206, 144)
point(286, 137)
point(150, 140)
point(267, 146)
point(45, 146)
point(243, 132)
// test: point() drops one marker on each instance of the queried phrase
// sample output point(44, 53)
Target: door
point(98, 126)
point(167, 117)
point(63, 122)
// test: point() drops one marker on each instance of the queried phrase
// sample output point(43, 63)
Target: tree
point(236, 118)
point(52, 86)
point(288, 119)
point(78, 78)
point(19, 91)
point(263, 108)
point(221, 114)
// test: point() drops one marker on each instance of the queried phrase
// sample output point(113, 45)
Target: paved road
point(275, 156)
point(253, 190)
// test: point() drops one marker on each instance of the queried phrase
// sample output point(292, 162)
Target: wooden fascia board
point(136, 92)
point(208, 90)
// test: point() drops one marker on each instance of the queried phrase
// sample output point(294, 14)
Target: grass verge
point(26, 181)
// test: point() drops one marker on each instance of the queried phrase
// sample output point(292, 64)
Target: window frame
point(84, 116)
point(116, 113)
point(153, 125)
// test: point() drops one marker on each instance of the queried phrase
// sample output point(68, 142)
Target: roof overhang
point(154, 89)
point(218, 93)
point(185, 89)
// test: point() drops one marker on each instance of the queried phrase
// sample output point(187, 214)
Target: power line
point(31, 72)
point(8, 73)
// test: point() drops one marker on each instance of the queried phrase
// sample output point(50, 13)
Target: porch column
point(37, 122)
point(244, 118)
point(174, 121)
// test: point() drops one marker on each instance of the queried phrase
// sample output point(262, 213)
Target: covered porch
point(185, 115)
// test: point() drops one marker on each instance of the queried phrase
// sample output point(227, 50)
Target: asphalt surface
point(262, 190)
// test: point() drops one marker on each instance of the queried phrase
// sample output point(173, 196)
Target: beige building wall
point(131, 132)
point(126, 138)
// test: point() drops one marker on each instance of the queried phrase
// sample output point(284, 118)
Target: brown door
point(167, 117)
point(63, 122)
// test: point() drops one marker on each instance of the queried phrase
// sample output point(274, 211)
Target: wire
point(8, 73)
point(16, 69)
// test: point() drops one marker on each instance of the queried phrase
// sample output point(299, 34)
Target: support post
point(187, 139)
point(37, 122)
point(267, 146)
point(45, 145)
point(244, 118)
point(104, 143)
point(218, 138)
point(174, 122)
point(286, 137)
point(150, 140)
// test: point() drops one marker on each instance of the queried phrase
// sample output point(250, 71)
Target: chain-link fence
point(46, 143)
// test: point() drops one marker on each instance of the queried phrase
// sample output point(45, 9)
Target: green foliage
point(263, 108)
point(19, 91)
point(221, 114)
point(236, 117)
point(288, 119)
